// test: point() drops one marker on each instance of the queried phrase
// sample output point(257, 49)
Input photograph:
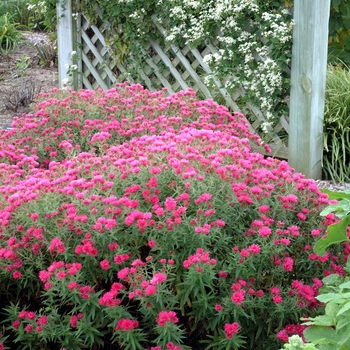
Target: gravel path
point(330, 185)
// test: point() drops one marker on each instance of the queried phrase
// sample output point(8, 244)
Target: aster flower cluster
point(174, 224)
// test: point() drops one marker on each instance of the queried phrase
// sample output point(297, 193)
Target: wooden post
point(308, 81)
point(64, 39)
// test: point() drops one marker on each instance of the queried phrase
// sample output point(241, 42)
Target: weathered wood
point(65, 40)
point(308, 81)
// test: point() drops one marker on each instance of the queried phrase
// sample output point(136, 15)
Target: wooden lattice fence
point(173, 68)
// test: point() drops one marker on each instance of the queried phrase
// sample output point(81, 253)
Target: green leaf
point(336, 2)
point(336, 195)
point(319, 334)
point(342, 323)
point(324, 298)
point(345, 285)
point(345, 308)
point(341, 209)
point(331, 208)
point(336, 234)
point(324, 321)
point(343, 336)
point(333, 279)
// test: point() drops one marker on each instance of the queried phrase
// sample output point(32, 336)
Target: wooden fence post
point(308, 81)
point(65, 43)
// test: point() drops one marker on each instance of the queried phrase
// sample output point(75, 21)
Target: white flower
point(65, 83)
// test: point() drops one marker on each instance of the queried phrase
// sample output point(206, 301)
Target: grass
point(336, 155)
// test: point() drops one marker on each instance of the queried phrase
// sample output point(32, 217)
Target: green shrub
point(10, 36)
point(18, 9)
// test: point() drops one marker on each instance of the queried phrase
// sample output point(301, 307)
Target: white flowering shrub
point(251, 42)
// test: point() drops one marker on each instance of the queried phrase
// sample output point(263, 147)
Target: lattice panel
point(98, 68)
point(170, 67)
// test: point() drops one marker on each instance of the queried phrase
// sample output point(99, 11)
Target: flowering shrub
point(152, 222)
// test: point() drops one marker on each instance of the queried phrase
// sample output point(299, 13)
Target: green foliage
point(18, 9)
point(43, 15)
point(336, 233)
point(22, 65)
point(47, 54)
point(10, 36)
point(336, 153)
point(331, 330)
point(339, 30)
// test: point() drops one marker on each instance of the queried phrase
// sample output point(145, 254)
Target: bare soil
point(23, 75)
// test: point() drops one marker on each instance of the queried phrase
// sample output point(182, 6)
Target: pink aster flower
point(231, 329)
point(125, 324)
point(238, 297)
point(166, 316)
point(158, 277)
point(288, 264)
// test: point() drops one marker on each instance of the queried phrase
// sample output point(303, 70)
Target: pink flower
point(264, 208)
point(31, 315)
point(113, 246)
point(238, 297)
point(166, 316)
point(158, 277)
point(290, 198)
point(119, 259)
point(282, 335)
point(170, 204)
point(285, 241)
point(244, 253)
point(222, 274)
point(277, 299)
point(16, 274)
point(123, 273)
point(259, 293)
point(150, 290)
point(16, 324)
point(218, 307)
point(301, 216)
point(72, 284)
point(172, 346)
point(264, 231)
point(254, 249)
point(220, 223)
point(275, 290)
point(235, 287)
point(125, 324)
point(231, 329)
point(73, 321)
point(288, 264)
point(42, 320)
point(104, 264)
point(60, 274)
point(28, 328)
